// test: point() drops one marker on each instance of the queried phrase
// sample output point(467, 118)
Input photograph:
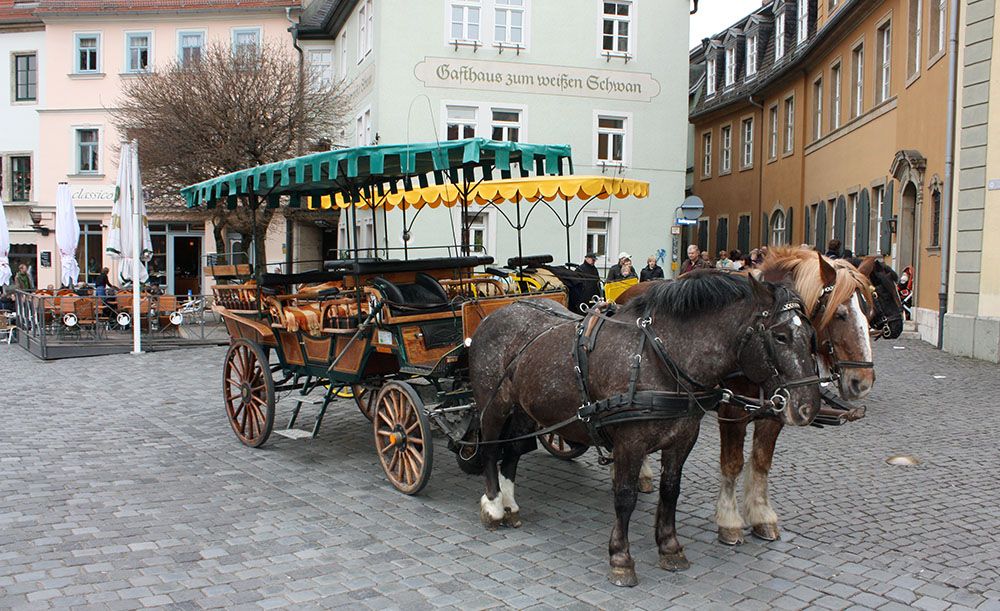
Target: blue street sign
point(685, 222)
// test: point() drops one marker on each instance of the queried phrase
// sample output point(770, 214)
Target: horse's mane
point(699, 291)
point(803, 266)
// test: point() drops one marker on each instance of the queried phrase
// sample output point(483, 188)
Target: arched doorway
point(906, 232)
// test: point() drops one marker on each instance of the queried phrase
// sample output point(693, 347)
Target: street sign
point(685, 221)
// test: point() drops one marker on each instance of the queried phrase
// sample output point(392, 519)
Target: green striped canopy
point(355, 171)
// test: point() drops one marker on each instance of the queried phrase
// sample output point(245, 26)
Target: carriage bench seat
point(424, 296)
point(529, 261)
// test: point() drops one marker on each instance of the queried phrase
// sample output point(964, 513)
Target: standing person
point(724, 262)
point(22, 281)
point(623, 269)
point(588, 266)
point(833, 249)
point(652, 271)
point(102, 283)
point(694, 260)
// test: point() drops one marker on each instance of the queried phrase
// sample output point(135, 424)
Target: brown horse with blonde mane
point(837, 296)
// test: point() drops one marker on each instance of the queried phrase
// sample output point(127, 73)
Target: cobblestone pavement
point(119, 497)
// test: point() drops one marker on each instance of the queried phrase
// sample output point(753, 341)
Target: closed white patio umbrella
point(128, 203)
point(5, 272)
point(67, 235)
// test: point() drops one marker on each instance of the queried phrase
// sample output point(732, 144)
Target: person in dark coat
point(588, 267)
point(833, 249)
point(694, 260)
point(623, 269)
point(652, 271)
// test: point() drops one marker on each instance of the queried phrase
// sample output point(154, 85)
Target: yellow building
point(823, 119)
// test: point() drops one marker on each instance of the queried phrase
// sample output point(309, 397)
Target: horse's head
point(840, 315)
point(778, 353)
point(887, 308)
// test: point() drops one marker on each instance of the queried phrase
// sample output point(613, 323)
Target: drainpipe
point(299, 145)
point(949, 171)
point(760, 175)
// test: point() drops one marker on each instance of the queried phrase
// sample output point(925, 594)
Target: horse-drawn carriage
point(393, 331)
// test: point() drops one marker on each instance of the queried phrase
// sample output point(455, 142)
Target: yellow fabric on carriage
point(548, 188)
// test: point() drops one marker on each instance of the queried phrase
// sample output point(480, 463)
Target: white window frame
point(77, 158)
point(506, 125)
point(706, 154)
point(802, 22)
point(818, 108)
point(77, 36)
point(630, 52)
point(751, 56)
point(773, 113)
point(730, 66)
point(878, 198)
point(129, 68)
point(322, 81)
point(858, 80)
point(746, 142)
point(916, 37)
point(836, 93)
point(626, 133)
point(777, 231)
point(941, 35)
point(482, 123)
point(711, 76)
point(364, 132)
point(180, 39)
point(611, 246)
point(726, 149)
point(447, 120)
point(505, 6)
point(779, 36)
point(789, 106)
point(486, 220)
point(366, 27)
point(466, 6)
point(884, 38)
point(235, 32)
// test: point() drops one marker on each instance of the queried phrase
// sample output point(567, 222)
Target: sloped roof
point(11, 14)
point(53, 7)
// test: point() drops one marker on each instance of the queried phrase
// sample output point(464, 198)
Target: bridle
point(836, 365)
point(880, 322)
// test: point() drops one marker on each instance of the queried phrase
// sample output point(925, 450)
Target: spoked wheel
point(364, 397)
point(561, 448)
point(248, 390)
point(403, 437)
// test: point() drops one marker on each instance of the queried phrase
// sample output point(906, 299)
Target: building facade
point(22, 50)
point(824, 119)
point(600, 76)
point(972, 324)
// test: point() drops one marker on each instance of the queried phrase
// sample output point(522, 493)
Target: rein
point(837, 366)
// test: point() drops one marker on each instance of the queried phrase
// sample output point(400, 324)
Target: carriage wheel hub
point(397, 437)
point(245, 392)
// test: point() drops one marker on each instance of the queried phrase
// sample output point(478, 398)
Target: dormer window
point(710, 76)
point(730, 66)
point(751, 55)
point(779, 36)
point(803, 22)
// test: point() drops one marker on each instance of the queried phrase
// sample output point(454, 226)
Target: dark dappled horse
point(524, 362)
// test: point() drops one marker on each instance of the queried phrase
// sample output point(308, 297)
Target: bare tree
point(226, 112)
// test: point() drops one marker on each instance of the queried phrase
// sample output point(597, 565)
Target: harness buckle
point(727, 396)
point(779, 400)
point(642, 323)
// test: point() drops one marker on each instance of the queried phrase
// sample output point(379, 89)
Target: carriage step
point(308, 399)
point(294, 433)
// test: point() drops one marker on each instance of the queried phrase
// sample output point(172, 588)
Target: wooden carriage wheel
point(403, 437)
point(248, 390)
point(560, 448)
point(364, 397)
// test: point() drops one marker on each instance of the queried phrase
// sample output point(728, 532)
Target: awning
point(548, 188)
point(380, 169)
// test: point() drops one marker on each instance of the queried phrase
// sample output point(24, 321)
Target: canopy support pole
point(520, 254)
point(566, 225)
point(354, 226)
point(385, 229)
point(369, 196)
point(133, 170)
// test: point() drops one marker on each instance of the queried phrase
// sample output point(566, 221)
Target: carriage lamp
point(892, 222)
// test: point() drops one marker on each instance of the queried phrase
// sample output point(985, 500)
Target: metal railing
point(56, 326)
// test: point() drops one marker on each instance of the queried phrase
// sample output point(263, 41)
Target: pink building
point(91, 48)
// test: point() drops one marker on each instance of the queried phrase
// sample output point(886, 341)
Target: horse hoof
point(646, 484)
point(623, 577)
point(488, 521)
point(767, 532)
point(674, 562)
point(730, 536)
point(512, 518)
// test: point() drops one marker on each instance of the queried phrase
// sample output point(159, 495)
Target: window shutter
point(722, 234)
point(743, 235)
point(863, 224)
point(840, 220)
point(788, 226)
point(820, 227)
point(806, 234)
point(885, 238)
point(765, 230)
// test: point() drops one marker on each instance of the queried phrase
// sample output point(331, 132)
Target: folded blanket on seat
point(306, 317)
